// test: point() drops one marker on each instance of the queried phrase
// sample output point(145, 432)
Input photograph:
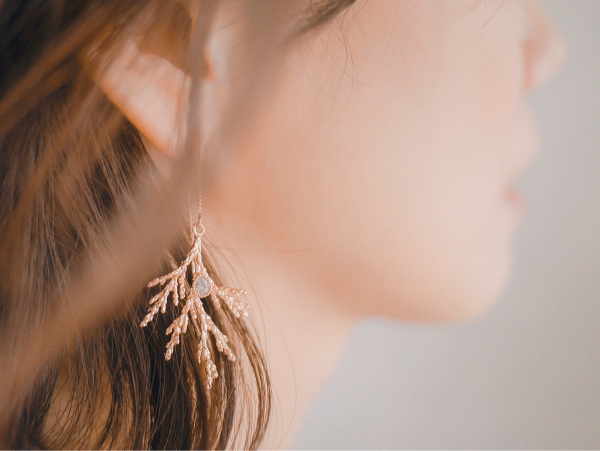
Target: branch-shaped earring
point(174, 284)
point(202, 286)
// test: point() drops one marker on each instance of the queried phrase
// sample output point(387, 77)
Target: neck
point(303, 334)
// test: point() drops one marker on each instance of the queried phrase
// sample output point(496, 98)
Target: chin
point(473, 310)
point(439, 310)
point(484, 289)
point(464, 299)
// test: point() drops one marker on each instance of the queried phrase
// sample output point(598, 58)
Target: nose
point(545, 48)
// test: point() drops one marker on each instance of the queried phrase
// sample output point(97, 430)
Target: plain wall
point(527, 374)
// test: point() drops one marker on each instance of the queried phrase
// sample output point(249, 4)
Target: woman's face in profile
point(387, 151)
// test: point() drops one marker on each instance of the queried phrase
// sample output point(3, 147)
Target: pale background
point(527, 375)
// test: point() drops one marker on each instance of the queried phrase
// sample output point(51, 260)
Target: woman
point(357, 159)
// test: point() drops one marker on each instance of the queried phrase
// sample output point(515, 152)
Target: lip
point(517, 202)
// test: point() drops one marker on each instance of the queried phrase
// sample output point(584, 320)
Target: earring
point(202, 287)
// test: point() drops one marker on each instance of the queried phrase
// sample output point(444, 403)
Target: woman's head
point(380, 145)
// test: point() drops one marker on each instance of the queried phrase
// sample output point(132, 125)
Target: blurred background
point(527, 374)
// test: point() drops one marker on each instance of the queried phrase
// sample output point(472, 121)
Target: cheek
point(432, 234)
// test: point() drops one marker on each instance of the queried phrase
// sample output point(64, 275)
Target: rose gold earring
point(202, 287)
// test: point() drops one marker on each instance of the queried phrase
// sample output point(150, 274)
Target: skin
point(375, 180)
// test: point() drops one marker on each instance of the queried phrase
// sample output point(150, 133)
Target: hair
point(72, 168)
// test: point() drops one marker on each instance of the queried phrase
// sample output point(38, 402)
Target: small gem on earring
point(201, 286)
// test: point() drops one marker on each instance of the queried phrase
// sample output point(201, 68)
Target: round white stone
point(201, 286)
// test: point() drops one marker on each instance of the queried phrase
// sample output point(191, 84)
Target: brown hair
point(73, 170)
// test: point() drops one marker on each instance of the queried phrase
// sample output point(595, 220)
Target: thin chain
point(199, 205)
point(198, 217)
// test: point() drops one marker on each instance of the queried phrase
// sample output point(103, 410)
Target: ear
point(147, 80)
point(147, 89)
